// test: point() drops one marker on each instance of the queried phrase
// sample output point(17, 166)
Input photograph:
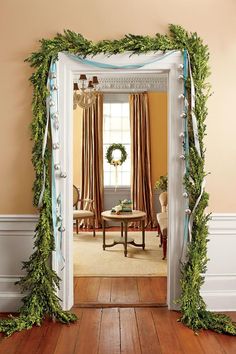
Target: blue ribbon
point(56, 201)
point(54, 205)
point(186, 150)
point(111, 66)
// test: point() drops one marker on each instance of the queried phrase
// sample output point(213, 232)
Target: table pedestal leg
point(125, 244)
point(122, 228)
point(143, 233)
point(103, 234)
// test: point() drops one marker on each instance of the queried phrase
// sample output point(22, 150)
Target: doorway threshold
point(108, 292)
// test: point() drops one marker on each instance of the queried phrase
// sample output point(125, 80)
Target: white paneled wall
point(16, 245)
point(219, 290)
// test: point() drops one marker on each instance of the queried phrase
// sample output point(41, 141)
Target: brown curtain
point(141, 187)
point(92, 157)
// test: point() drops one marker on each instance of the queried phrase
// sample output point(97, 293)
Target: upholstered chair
point(162, 222)
point(81, 214)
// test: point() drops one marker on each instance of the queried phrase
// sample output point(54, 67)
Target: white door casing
point(67, 68)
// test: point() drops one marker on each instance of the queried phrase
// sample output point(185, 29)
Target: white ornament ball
point(56, 124)
point(51, 103)
point(55, 146)
point(57, 166)
point(54, 87)
point(53, 75)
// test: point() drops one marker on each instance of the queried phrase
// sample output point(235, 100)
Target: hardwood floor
point(119, 291)
point(115, 317)
point(116, 331)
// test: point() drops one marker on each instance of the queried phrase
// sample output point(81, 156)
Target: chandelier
point(85, 91)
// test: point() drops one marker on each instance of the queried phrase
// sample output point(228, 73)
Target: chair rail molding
point(219, 289)
point(16, 245)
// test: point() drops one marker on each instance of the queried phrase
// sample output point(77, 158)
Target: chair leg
point(164, 239)
point(77, 226)
point(164, 246)
point(94, 227)
point(158, 230)
point(161, 240)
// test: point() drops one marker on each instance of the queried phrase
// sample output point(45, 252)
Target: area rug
point(91, 260)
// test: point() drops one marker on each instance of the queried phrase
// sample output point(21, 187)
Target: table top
point(136, 214)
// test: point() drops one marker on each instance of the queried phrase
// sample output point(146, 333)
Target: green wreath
point(109, 155)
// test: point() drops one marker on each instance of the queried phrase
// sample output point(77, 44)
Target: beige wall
point(24, 22)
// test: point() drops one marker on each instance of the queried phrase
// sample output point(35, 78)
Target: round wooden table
point(124, 219)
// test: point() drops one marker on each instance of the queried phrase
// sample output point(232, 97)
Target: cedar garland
point(41, 281)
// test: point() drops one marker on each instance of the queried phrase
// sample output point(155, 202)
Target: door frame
point(67, 68)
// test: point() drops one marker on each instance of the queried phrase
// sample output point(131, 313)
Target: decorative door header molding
point(132, 82)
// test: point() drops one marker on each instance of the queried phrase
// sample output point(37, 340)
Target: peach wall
point(24, 22)
point(158, 134)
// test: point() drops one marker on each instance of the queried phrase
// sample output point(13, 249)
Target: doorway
point(170, 65)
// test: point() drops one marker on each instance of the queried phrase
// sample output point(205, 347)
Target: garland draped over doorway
point(41, 281)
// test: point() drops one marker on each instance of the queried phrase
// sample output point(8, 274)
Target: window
point(116, 129)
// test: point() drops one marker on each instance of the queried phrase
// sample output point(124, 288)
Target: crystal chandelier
point(85, 91)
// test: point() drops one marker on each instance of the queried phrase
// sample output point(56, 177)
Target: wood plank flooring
point(118, 331)
point(119, 291)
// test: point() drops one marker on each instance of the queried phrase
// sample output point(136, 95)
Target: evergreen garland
point(41, 281)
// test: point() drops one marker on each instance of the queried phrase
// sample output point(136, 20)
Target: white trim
point(67, 69)
point(220, 300)
point(18, 217)
point(222, 224)
point(10, 278)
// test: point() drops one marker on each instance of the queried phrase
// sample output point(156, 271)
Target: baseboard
point(219, 289)
point(16, 245)
point(220, 301)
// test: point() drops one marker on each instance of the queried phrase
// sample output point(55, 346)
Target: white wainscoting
point(219, 289)
point(16, 245)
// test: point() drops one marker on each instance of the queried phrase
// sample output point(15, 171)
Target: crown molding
point(132, 82)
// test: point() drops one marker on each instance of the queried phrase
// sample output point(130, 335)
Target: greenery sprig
point(41, 281)
point(161, 184)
